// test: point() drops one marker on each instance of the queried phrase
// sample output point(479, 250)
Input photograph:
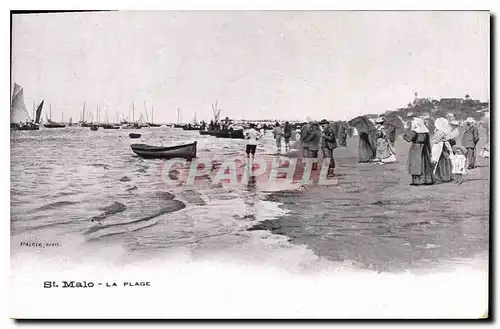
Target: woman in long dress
point(442, 151)
point(419, 158)
point(366, 149)
point(385, 152)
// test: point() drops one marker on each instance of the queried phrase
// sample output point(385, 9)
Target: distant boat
point(237, 134)
point(134, 135)
point(204, 132)
point(107, 126)
point(53, 124)
point(19, 117)
point(94, 127)
point(179, 125)
point(187, 151)
point(188, 127)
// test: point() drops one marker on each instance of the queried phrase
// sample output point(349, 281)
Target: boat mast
point(83, 117)
point(152, 109)
point(146, 109)
point(178, 115)
point(133, 110)
point(33, 109)
point(62, 115)
point(50, 111)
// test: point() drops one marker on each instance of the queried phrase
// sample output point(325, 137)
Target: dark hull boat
point(229, 134)
point(187, 151)
point(110, 127)
point(132, 135)
point(178, 125)
point(204, 132)
point(94, 128)
point(154, 125)
point(28, 126)
point(191, 128)
point(54, 125)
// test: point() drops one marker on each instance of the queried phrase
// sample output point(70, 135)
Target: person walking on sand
point(313, 139)
point(459, 163)
point(469, 141)
point(252, 136)
point(419, 158)
point(304, 132)
point(277, 134)
point(287, 134)
point(442, 151)
point(328, 144)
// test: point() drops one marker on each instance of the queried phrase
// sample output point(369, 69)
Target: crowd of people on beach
point(432, 159)
point(439, 158)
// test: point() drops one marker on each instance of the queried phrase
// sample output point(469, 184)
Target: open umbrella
point(393, 122)
point(362, 124)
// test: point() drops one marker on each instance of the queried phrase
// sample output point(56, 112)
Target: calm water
point(61, 179)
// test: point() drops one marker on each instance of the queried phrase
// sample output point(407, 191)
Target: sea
point(371, 244)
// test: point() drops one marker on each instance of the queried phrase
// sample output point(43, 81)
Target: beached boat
point(187, 151)
point(133, 135)
point(94, 127)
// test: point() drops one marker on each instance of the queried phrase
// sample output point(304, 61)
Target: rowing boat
point(186, 151)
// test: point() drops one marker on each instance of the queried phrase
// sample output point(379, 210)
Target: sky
point(257, 64)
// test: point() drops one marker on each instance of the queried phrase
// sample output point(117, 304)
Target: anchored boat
point(186, 151)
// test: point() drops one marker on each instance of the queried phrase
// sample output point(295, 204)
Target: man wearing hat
point(313, 138)
point(469, 141)
point(328, 144)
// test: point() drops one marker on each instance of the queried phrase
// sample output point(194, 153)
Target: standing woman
point(419, 158)
point(441, 151)
point(366, 151)
point(469, 140)
point(385, 152)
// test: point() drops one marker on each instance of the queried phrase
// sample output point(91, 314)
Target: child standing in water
point(459, 162)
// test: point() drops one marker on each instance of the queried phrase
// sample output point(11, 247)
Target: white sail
point(18, 110)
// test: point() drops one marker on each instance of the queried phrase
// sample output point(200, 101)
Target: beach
point(371, 224)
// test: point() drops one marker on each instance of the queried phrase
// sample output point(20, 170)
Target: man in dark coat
point(469, 141)
point(329, 143)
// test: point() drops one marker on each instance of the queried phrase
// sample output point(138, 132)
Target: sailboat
point(19, 117)
point(179, 124)
point(53, 124)
point(152, 124)
point(133, 124)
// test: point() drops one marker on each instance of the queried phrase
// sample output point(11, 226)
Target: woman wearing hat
point(385, 153)
point(442, 151)
point(419, 158)
point(469, 140)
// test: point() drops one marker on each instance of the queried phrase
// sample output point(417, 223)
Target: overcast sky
point(285, 65)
